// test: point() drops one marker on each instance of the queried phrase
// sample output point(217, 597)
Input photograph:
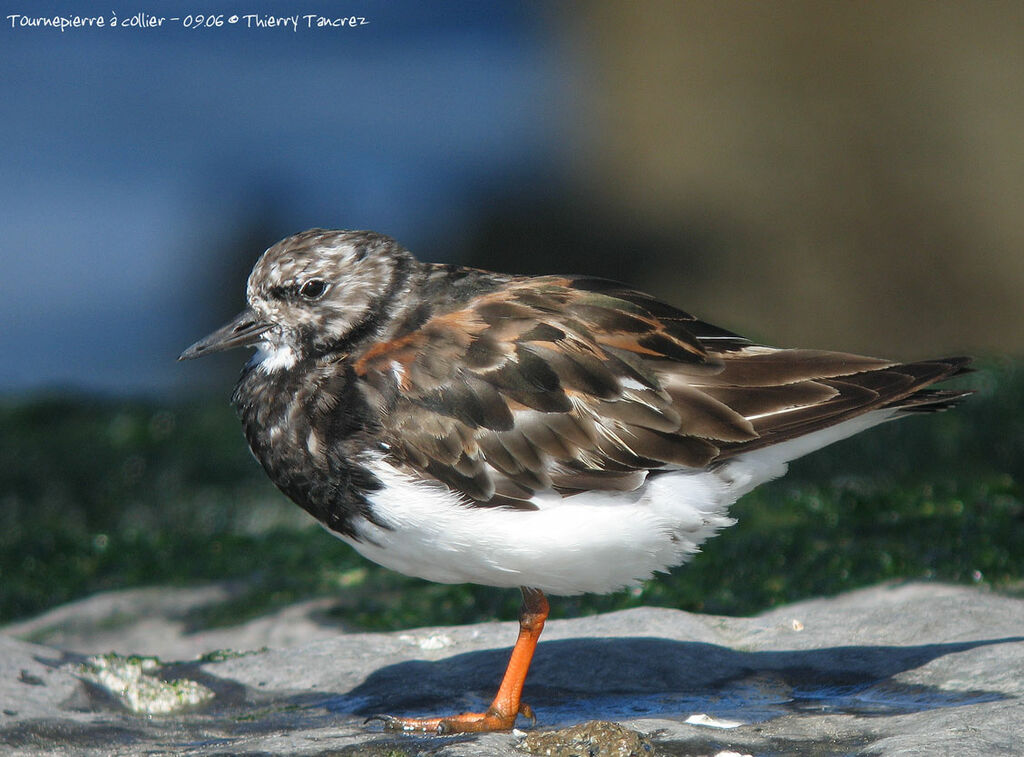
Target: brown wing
point(574, 384)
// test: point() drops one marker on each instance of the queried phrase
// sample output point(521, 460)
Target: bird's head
point(310, 293)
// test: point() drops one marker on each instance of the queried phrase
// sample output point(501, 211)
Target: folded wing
point(572, 384)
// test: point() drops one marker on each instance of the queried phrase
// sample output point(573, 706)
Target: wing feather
point(573, 384)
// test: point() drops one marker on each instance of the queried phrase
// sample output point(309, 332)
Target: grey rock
point(158, 621)
point(908, 669)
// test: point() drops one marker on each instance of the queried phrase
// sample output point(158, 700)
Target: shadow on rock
point(615, 679)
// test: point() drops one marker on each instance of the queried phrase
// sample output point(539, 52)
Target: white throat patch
point(271, 358)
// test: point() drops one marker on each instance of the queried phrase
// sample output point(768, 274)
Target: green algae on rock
point(133, 681)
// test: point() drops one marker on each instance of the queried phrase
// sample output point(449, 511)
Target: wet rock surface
point(911, 669)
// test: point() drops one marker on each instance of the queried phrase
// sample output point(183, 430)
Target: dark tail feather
point(934, 400)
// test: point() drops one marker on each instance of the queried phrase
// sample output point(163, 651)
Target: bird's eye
point(313, 289)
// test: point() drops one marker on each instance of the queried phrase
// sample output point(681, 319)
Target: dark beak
point(244, 330)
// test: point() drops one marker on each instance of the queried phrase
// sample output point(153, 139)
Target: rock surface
point(910, 669)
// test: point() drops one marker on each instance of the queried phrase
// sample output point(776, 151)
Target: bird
point(558, 434)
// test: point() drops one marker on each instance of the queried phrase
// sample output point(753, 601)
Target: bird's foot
point(467, 722)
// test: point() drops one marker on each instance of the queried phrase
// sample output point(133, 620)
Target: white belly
point(590, 542)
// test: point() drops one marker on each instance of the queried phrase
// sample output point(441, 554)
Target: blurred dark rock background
point(829, 175)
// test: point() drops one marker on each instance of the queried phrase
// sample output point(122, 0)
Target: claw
point(385, 719)
point(527, 712)
point(467, 722)
point(392, 723)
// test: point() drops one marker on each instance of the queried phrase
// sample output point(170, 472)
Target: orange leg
point(507, 704)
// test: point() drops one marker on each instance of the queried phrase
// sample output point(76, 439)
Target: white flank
point(590, 542)
point(595, 541)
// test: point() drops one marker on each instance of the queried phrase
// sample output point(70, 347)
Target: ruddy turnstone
point(562, 434)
